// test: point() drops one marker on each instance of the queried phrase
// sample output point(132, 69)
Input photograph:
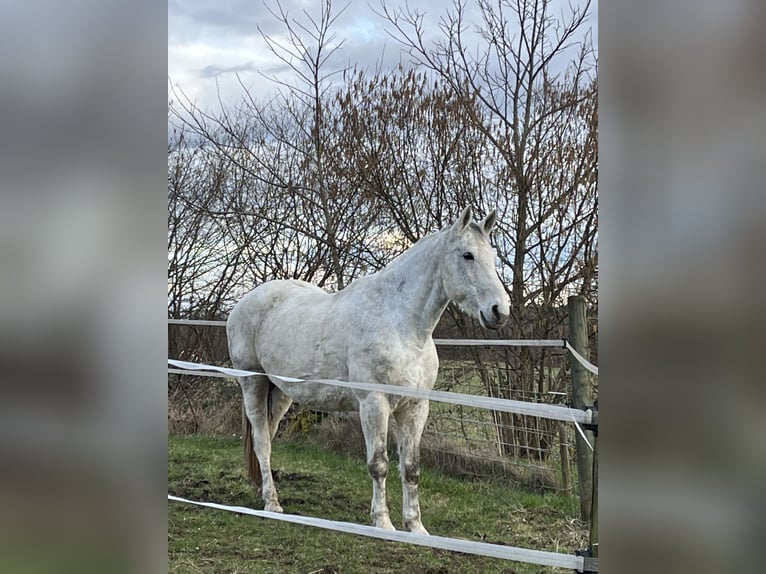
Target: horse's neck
point(413, 288)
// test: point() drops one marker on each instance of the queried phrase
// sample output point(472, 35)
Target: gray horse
point(378, 329)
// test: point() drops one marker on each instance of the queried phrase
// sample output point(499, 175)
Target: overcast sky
point(211, 41)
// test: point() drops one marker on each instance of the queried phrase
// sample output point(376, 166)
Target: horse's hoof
point(417, 528)
point(385, 524)
point(274, 507)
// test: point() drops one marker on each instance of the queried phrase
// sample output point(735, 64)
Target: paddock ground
point(317, 482)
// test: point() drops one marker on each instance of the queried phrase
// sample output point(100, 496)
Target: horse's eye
point(468, 255)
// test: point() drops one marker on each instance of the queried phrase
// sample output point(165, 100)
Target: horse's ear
point(489, 222)
point(462, 223)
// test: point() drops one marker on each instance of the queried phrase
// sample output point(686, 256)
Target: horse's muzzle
point(496, 320)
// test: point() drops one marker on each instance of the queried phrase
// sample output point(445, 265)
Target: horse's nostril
point(496, 311)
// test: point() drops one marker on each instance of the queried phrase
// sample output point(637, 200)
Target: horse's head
point(468, 271)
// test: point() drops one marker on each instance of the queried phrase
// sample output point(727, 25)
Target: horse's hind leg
point(278, 405)
point(410, 422)
point(374, 412)
point(255, 394)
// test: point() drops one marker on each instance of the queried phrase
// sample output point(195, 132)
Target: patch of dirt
point(280, 476)
point(293, 502)
point(193, 489)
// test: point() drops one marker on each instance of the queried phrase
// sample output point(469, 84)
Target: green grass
point(314, 482)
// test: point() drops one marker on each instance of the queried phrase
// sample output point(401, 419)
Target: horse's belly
point(320, 396)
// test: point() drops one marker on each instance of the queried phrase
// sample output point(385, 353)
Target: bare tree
point(203, 264)
point(412, 146)
point(343, 170)
point(286, 147)
point(534, 77)
point(309, 46)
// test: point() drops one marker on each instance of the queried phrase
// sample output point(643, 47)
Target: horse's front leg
point(410, 422)
point(374, 411)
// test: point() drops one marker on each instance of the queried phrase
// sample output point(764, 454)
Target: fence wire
point(482, 444)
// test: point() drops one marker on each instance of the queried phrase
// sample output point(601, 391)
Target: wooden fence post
point(582, 396)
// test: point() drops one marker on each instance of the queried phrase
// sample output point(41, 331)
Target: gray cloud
point(213, 71)
point(238, 24)
point(203, 17)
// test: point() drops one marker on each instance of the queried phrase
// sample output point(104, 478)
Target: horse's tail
point(251, 461)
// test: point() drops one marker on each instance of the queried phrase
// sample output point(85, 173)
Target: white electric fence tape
point(540, 557)
point(582, 434)
point(501, 342)
point(580, 359)
point(196, 322)
point(555, 412)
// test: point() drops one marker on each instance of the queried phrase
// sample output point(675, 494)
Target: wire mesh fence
point(488, 444)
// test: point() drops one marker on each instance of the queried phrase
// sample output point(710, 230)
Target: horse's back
point(277, 310)
point(270, 294)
